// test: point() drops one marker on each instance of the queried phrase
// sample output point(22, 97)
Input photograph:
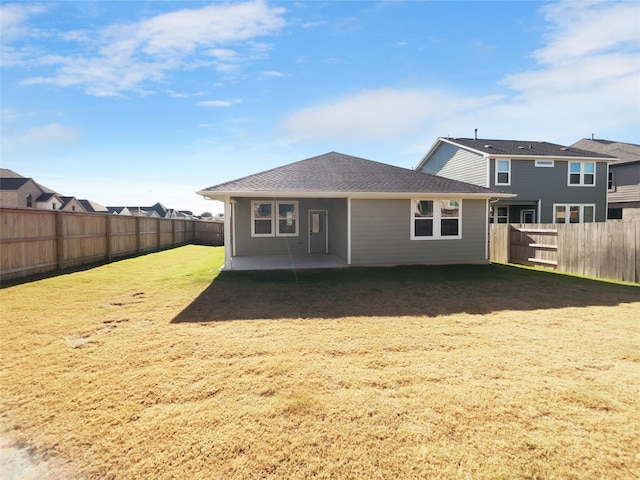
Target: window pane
point(425, 208)
point(502, 211)
point(262, 210)
point(574, 179)
point(503, 166)
point(423, 227)
point(574, 214)
point(590, 167)
point(286, 226)
point(588, 178)
point(503, 178)
point(286, 210)
point(502, 219)
point(449, 226)
point(262, 227)
point(588, 213)
point(574, 167)
point(449, 208)
point(561, 214)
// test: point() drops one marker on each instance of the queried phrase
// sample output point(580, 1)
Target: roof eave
point(221, 196)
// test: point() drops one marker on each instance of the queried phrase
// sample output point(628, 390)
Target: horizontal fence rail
point(37, 241)
point(607, 250)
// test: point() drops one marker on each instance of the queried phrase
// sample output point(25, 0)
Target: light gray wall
point(246, 245)
point(381, 229)
point(456, 163)
point(549, 184)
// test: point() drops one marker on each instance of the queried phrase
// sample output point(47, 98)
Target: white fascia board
point(464, 147)
point(370, 195)
point(551, 157)
point(428, 154)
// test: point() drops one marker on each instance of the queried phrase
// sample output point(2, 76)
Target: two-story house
point(624, 176)
point(553, 183)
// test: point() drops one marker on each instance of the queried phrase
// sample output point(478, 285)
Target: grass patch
point(162, 367)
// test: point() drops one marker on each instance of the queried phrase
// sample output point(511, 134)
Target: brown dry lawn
point(159, 368)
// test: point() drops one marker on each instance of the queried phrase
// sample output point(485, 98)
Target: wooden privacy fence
point(38, 241)
point(602, 250)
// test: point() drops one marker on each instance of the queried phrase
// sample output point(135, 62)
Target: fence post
point(158, 228)
point(59, 240)
point(108, 235)
point(138, 243)
point(173, 232)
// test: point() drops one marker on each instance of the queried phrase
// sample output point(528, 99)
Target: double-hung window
point(274, 219)
point(582, 173)
point(578, 213)
point(503, 172)
point(432, 219)
point(499, 215)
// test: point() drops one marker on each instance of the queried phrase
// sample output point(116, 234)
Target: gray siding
point(456, 163)
point(381, 229)
point(246, 245)
point(626, 179)
point(549, 185)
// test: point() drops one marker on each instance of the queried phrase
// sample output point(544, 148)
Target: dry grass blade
point(161, 367)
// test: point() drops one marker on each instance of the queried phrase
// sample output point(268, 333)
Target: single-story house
point(338, 210)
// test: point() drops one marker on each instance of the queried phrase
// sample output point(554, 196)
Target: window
point(29, 201)
point(544, 163)
point(499, 215)
point(611, 186)
point(580, 213)
point(503, 172)
point(270, 219)
point(287, 219)
point(435, 219)
point(582, 173)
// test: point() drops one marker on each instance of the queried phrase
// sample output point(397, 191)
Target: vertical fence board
point(606, 250)
point(36, 241)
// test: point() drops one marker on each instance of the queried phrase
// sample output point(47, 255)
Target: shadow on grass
point(395, 292)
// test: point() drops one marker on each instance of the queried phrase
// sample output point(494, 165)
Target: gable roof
point(13, 183)
point(337, 175)
point(7, 173)
point(624, 152)
point(523, 148)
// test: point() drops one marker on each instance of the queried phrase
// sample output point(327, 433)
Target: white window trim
point(295, 218)
point(437, 217)
point(545, 163)
point(497, 171)
point(253, 220)
point(275, 223)
point(581, 184)
point(567, 207)
point(495, 215)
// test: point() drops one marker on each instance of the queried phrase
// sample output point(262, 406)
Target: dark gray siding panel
point(246, 245)
point(626, 181)
point(380, 234)
point(458, 164)
point(549, 185)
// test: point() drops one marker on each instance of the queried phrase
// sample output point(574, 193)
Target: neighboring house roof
point(625, 152)
point(92, 207)
point(335, 174)
point(13, 183)
point(7, 173)
point(45, 197)
point(516, 148)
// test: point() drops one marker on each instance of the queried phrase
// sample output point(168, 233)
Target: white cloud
point(218, 103)
point(585, 78)
point(13, 19)
point(272, 74)
point(128, 57)
point(44, 138)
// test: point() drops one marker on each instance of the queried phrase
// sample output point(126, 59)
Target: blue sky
point(127, 102)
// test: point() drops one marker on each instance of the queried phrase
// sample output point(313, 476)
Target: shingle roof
point(522, 147)
point(12, 183)
point(625, 152)
point(336, 173)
